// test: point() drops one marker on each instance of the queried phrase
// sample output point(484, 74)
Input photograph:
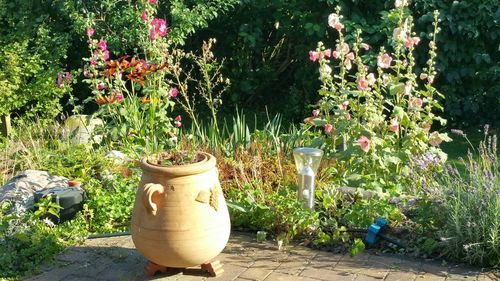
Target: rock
point(118, 157)
point(20, 189)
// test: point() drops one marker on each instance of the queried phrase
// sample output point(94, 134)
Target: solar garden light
point(307, 161)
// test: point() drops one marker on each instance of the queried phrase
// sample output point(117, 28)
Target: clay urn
point(180, 217)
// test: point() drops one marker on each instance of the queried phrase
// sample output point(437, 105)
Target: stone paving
point(244, 259)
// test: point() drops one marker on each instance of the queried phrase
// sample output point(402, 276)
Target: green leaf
point(357, 247)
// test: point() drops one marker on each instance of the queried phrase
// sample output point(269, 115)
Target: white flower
point(400, 3)
point(333, 19)
point(325, 70)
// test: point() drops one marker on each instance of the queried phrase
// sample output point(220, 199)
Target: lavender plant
point(375, 116)
point(472, 206)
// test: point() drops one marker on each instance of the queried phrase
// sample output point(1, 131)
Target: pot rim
point(207, 162)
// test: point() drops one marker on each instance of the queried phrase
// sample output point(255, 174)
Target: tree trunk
point(6, 127)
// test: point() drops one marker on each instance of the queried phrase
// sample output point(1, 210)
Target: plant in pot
point(180, 218)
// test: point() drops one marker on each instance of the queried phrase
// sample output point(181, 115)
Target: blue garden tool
point(377, 230)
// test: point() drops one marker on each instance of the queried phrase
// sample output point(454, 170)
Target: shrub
point(471, 202)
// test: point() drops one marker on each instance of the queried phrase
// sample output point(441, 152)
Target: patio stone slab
point(115, 258)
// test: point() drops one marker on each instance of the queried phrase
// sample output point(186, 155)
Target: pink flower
point(327, 53)
point(315, 113)
point(430, 79)
point(365, 46)
point(90, 32)
point(339, 26)
point(394, 124)
point(371, 79)
point(173, 92)
point(384, 60)
point(344, 49)
point(335, 54)
point(333, 19)
point(119, 96)
point(144, 16)
point(103, 46)
point(347, 64)
point(67, 76)
point(313, 56)
point(411, 41)
point(105, 55)
point(100, 86)
point(85, 72)
point(328, 128)
point(364, 143)
point(435, 139)
point(347, 116)
point(159, 27)
point(416, 102)
point(59, 80)
point(152, 2)
point(362, 84)
point(177, 121)
point(423, 76)
point(93, 62)
point(350, 56)
point(344, 105)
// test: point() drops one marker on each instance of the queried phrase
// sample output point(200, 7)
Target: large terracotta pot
point(180, 217)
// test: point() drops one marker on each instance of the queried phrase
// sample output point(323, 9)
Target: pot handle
point(150, 201)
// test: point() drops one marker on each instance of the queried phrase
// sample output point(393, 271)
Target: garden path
point(115, 258)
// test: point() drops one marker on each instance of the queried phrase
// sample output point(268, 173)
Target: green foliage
point(277, 212)
point(357, 247)
point(46, 207)
point(29, 63)
point(471, 231)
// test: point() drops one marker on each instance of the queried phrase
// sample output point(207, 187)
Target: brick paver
point(244, 259)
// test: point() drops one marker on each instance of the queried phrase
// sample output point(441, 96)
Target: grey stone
point(20, 189)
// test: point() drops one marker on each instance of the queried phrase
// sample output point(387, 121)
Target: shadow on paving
point(116, 258)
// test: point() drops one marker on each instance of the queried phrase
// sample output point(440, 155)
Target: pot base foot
point(213, 268)
point(152, 268)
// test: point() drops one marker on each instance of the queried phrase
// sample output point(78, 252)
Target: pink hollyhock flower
point(320, 55)
point(335, 54)
point(103, 46)
point(435, 139)
point(423, 76)
point(394, 124)
point(144, 16)
point(350, 56)
point(365, 46)
point(105, 55)
point(427, 127)
point(93, 62)
point(152, 2)
point(67, 76)
point(100, 86)
point(362, 84)
point(347, 116)
point(384, 61)
point(313, 56)
point(159, 27)
point(411, 41)
point(364, 143)
point(177, 121)
point(327, 53)
point(59, 80)
point(119, 96)
point(85, 72)
point(333, 19)
point(328, 128)
point(90, 32)
point(315, 113)
point(344, 105)
point(339, 26)
point(371, 79)
point(173, 92)
point(416, 102)
point(344, 48)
